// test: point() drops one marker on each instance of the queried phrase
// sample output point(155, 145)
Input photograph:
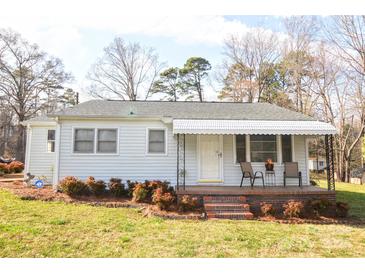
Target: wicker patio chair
point(291, 171)
point(247, 172)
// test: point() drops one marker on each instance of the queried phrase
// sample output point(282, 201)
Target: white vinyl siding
point(41, 162)
point(130, 162)
point(133, 162)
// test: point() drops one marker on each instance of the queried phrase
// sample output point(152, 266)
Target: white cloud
point(62, 36)
point(184, 29)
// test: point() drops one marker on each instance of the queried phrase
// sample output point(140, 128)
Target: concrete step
point(231, 215)
point(224, 199)
point(226, 207)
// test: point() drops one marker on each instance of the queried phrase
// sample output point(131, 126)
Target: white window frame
point(96, 129)
point(47, 141)
point(148, 143)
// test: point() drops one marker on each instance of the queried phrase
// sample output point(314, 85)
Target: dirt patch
point(152, 210)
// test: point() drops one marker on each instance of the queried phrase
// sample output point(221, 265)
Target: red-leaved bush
point(188, 203)
point(13, 167)
point(293, 209)
point(73, 186)
point(267, 209)
point(162, 199)
point(116, 187)
point(96, 187)
point(16, 167)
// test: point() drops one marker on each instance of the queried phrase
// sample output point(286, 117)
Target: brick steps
point(231, 215)
point(227, 207)
point(224, 199)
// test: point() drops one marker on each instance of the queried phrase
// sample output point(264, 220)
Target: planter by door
point(210, 151)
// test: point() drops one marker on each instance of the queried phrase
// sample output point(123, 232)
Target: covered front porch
point(223, 144)
point(247, 190)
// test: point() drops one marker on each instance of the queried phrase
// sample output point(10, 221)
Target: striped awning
point(195, 126)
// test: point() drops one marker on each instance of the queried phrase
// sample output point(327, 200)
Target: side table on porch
point(270, 178)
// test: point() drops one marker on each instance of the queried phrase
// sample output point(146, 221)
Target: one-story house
point(186, 143)
point(317, 164)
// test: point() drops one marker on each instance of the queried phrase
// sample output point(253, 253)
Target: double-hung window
point(51, 140)
point(84, 140)
point(107, 141)
point(263, 147)
point(156, 141)
point(104, 138)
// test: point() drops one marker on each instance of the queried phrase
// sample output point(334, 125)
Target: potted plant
point(269, 165)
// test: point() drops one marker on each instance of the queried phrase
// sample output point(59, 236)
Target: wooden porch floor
point(246, 190)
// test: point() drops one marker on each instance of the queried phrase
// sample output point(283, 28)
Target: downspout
point(55, 178)
point(27, 150)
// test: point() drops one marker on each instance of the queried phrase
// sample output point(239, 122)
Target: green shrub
point(188, 203)
point(96, 187)
point(293, 209)
point(164, 200)
point(140, 193)
point(342, 209)
point(116, 187)
point(73, 186)
point(267, 209)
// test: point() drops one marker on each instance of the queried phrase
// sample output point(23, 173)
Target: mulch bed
point(319, 221)
point(48, 194)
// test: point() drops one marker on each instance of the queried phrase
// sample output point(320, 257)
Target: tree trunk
point(347, 171)
point(20, 148)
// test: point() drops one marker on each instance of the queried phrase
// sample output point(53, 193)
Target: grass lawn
point(54, 229)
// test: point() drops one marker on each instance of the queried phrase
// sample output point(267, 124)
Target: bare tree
point(252, 52)
point(297, 58)
point(125, 71)
point(347, 35)
point(27, 78)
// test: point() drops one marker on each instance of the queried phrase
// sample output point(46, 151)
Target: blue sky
point(79, 40)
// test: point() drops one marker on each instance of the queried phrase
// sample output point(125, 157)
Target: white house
point(189, 143)
point(315, 164)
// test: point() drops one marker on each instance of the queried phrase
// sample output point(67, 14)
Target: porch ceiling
point(273, 127)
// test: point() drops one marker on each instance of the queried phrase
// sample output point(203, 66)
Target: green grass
point(54, 229)
point(352, 194)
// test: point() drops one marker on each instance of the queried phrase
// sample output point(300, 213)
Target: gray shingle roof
point(183, 110)
point(41, 118)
